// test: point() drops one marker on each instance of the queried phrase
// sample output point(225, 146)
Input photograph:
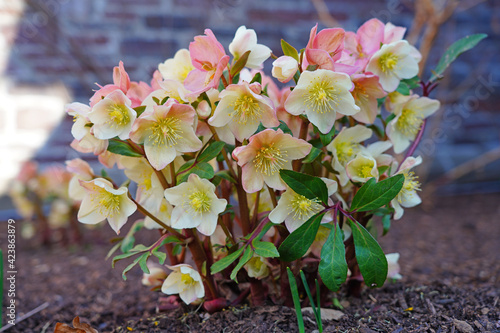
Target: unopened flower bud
point(284, 68)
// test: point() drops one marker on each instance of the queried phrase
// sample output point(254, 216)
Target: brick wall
point(77, 42)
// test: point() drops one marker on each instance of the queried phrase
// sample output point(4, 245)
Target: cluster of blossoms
point(33, 190)
point(208, 140)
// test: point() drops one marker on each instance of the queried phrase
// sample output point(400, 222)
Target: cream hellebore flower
point(165, 131)
point(284, 68)
point(185, 281)
point(408, 196)
point(81, 171)
point(113, 116)
point(393, 266)
point(345, 146)
point(164, 214)
point(178, 67)
point(196, 205)
point(320, 95)
point(243, 109)
point(257, 267)
point(265, 155)
point(366, 163)
point(155, 278)
point(246, 40)
point(85, 141)
point(394, 62)
point(102, 202)
point(409, 118)
point(295, 209)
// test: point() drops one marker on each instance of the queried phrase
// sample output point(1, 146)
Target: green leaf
point(244, 259)
point(226, 261)
point(204, 170)
point(225, 174)
point(299, 241)
point(333, 266)
point(186, 166)
point(257, 78)
point(373, 195)
point(140, 109)
point(370, 257)
point(284, 127)
point(240, 63)
point(315, 307)
point(122, 148)
point(265, 249)
point(296, 300)
point(456, 49)
point(162, 256)
point(129, 267)
point(122, 256)
point(313, 154)
point(129, 240)
point(386, 224)
point(326, 138)
point(289, 50)
point(113, 250)
point(412, 83)
point(403, 88)
point(143, 262)
point(211, 151)
point(309, 186)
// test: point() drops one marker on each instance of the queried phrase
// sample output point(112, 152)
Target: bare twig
point(27, 315)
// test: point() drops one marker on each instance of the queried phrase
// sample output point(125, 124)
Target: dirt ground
point(450, 262)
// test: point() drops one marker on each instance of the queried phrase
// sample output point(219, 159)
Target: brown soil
point(450, 260)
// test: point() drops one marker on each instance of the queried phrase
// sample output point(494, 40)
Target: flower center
point(269, 160)
point(321, 97)
point(118, 115)
point(246, 109)
point(109, 203)
point(366, 171)
point(304, 208)
point(345, 151)
point(388, 62)
point(409, 122)
point(200, 202)
point(166, 132)
point(410, 185)
point(187, 279)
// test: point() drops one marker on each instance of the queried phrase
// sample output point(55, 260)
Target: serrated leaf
point(333, 266)
point(289, 50)
point(370, 257)
point(456, 49)
point(299, 241)
point(122, 148)
point(240, 63)
point(247, 255)
point(211, 151)
point(226, 261)
point(265, 249)
point(313, 154)
point(309, 186)
point(143, 262)
point(373, 195)
point(203, 169)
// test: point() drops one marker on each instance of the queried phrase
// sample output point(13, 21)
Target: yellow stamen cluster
point(246, 108)
point(345, 151)
point(321, 97)
point(269, 160)
point(410, 185)
point(409, 122)
point(200, 202)
point(388, 62)
point(166, 132)
point(187, 279)
point(118, 115)
point(109, 203)
point(365, 171)
point(303, 207)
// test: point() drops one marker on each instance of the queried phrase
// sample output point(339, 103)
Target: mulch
point(450, 262)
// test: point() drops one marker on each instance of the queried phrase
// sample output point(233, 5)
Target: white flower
point(408, 196)
point(393, 269)
point(196, 205)
point(185, 281)
point(362, 168)
point(257, 267)
point(296, 209)
point(246, 40)
point(164, 214)
point(320, 95)
point(345, 147)
point(156, 276)
point(409, 118)
point(102, 202)
point(284, 68)
point(394, 62)
point(178, 67)
point(81, 171)
point(113, 116)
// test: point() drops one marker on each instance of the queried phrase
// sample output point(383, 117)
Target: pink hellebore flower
point(242, 109)
point(166, 131)
point(246, 40)
point(366, 91)
point(113, 116)
point(209, 59)
point(81, 171)
point(265, 155)
point(325, 47)
point(320, 95)
point(360, 46)
point(102, 202)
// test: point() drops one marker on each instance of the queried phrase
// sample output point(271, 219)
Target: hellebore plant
point(246, 181)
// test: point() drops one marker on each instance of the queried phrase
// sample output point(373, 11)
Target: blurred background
point(53, 52)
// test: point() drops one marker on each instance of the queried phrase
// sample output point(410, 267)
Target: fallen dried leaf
point(326, 314)
point(463, 326)
point(78, 327)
